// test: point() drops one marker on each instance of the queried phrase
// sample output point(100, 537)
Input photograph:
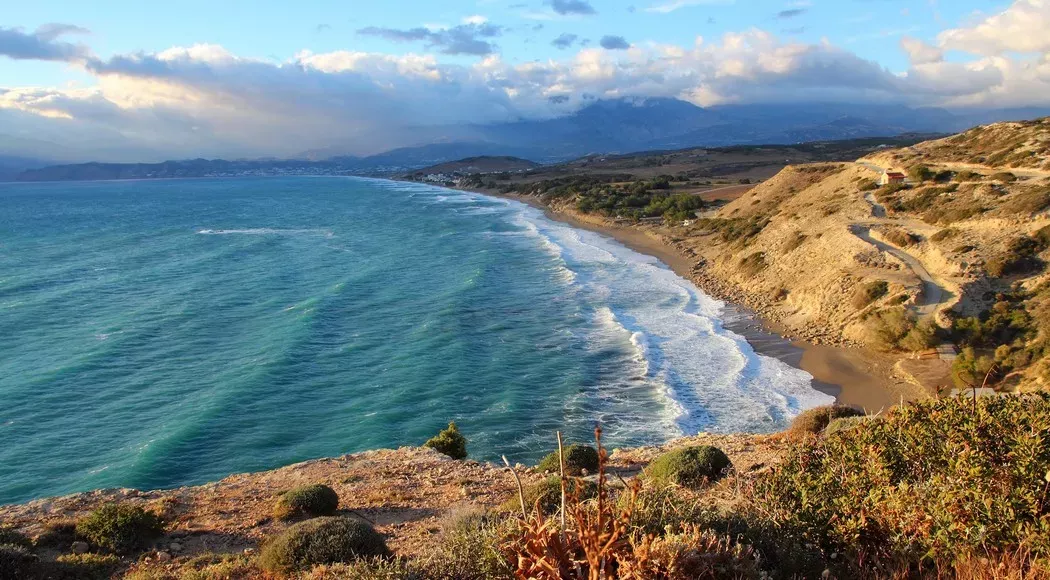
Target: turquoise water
point(161, 333)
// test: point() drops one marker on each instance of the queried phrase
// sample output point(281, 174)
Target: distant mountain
point(628, 125)
point(603, 127)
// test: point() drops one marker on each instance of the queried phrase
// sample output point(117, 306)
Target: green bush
point(689, 466)
point(578, 458)
point(309, 500)
point(925, 485)
point(120, 527)
point(450, 442)
point(324, 540)
point(920, 173)
point(12, 537)
point(547, 494)
point(844, 424)
point(922, 336)
point(869, 293)
point(16, 561)
point(887, 328)
point(1004, 176)
point(815, 420)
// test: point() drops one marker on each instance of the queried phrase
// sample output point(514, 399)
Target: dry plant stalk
point(591, 546)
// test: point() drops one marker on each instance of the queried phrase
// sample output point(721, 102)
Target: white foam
point(708, 377)
point(714, 379)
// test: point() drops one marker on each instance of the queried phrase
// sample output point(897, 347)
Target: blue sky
point(240, 77)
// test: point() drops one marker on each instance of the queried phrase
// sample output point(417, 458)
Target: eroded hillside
point(955, 255)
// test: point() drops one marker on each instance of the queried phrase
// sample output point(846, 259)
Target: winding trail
point(934, 294)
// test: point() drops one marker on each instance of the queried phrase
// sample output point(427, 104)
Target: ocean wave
point(711, 377)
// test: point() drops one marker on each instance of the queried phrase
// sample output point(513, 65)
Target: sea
point(160, 333)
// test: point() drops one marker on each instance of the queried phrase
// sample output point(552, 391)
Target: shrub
point(578, 458)
point(1004, 176)
point(944, 234)
point(309, 500)
point(450, 442)
point(887, 328)
point(844, 424)
point(15, 561)
point(689, 466)
point(324, 540)
point(869, 293)
point(928, 484)
point(1018, 258)
point(753, 264)
point(12, 537)
point(547, 494)
point(920, 173)
point(120, 527)
point(921, 336)
point(900, 237)
point(468, 547)
point(967, 175)
point(868, 185)
point(815, 420)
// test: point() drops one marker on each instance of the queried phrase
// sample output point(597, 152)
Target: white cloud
point(204, 99)
point(1020, 28)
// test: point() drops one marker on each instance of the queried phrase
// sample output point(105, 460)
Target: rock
point(163, 557)
point(175, 547)
point(80, 547)
point(249, 551)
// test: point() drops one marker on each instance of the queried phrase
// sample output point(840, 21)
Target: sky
point(130, 79)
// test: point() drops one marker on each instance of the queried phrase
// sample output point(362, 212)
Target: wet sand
point(854, 376)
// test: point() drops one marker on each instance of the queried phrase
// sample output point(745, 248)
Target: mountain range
point(605, 126)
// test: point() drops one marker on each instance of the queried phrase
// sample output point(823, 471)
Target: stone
point(163, 557)
point(175, 547)
point(80, 547)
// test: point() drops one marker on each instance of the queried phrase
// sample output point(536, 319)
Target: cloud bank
point(205, 100)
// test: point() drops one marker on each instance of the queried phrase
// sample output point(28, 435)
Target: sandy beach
point(854, 376)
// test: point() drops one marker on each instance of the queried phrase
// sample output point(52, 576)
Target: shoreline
point(853, 375)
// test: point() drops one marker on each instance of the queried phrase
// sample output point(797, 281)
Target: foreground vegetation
point(956, 487)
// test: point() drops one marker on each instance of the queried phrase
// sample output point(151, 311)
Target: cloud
point(610, 42)
point(791, 13)
point(206, 100)
point(462, 39)
point(1020, 28)
point(919, 52)
point(564, 41)
point(566, 7)
point(43, 43)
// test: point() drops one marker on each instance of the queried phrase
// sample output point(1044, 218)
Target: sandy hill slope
point(953, 257)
